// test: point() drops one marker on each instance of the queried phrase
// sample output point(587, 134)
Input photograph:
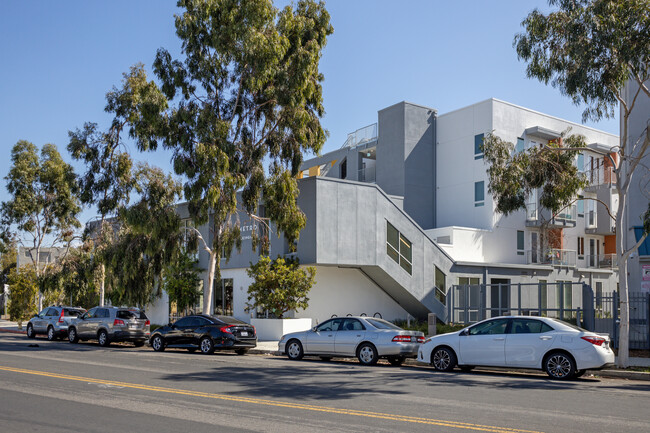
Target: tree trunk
point(208, 289)
point(101, 285)
point(621, 257)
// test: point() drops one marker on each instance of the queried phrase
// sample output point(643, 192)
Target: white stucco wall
point(158, 311)
point(339, 291)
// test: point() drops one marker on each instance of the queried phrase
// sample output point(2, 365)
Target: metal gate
point(607, 318)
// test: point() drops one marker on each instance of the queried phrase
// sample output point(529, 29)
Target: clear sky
point(60, 58)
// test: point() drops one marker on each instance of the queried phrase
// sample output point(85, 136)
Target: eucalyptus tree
point(43, 205)
point(238, 111)
point(108, 180)
point(589, 50)
point(149, 239)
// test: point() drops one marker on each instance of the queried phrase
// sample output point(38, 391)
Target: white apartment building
point(399, 222)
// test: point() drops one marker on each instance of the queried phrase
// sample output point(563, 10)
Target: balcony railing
point(569, 213)
point(553, 257)
point(532, 212)
point(361, 136)
point(601, 261)
point(600, 176)
point(367, 174)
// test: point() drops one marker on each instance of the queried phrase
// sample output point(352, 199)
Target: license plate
point(133, 326)
point(244, 333)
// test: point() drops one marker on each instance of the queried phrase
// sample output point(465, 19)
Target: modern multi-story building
point(400, 216)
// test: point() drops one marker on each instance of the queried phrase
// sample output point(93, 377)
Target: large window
point(478, 146)
point(398, 247)
point(479, 193)
point(441, 285)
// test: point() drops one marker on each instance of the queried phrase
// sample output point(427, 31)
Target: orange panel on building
point(555, 239)
point(610, 244)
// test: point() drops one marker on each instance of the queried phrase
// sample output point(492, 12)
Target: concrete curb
point(13, 331)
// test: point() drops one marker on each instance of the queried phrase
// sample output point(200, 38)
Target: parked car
point(53, 321)
point(367, 338)
point(111, 324)
point(206, 333)
point(557, 347)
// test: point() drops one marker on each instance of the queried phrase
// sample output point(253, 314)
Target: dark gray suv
point(111, 324)
point(53, 321)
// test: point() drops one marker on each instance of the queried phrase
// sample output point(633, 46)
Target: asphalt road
point(61, 387)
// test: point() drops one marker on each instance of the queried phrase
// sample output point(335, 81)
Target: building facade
point(399, 218)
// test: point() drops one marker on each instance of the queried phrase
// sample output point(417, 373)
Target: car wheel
point(559, 365)
point(72, 335)
point(207, 345)
point(325, 358)
point(30, 331)
point(102, 338)
point(580, 373)
point(294, 350)
point(157, 343)
point(466, 368)
point(51, 336)
point(367, 354)
point(138, 343)
point(443, 359)
point(396, 360)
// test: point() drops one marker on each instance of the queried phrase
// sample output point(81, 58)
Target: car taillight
point(147, 323)
point(225, 329)
point(598, 341)
point(420, 339)
point(61, 317)
point(402, 338)
point(118, 322)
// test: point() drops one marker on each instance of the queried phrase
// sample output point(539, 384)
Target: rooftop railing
point(361, 136)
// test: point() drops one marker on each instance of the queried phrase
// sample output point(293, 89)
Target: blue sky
point(60, 59)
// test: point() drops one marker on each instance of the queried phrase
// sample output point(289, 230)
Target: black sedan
point(206, 333)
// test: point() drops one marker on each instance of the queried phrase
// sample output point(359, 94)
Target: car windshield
point(67, 312)
point(569, 325)
point(230, 320)
point(383, 324)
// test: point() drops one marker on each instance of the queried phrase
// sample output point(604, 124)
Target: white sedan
point(557, 347)
point(367, 338)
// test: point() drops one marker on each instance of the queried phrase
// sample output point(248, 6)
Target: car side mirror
point(464, 333)
point(314, 329)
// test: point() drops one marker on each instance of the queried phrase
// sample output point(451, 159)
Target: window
point(592, 253)
point(330, 325)
point(520, 242)
point(479, 193)
point(440, 284)
point(581, 248)
point(478, 146)
point(581, 206)
point(580, 163)
point(491, 327)
point(520, 145)
point(352, 325)
point(529, 326)
point(591, 214)
point(398, 247)
point(344, 169)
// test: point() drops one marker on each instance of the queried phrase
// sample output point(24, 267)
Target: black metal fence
point(573, 302)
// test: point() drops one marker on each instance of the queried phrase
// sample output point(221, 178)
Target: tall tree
point(182, 281)
point(43, 207)
point(108, 180)
point(246, 93)
point(589, 50)
point(149, 239)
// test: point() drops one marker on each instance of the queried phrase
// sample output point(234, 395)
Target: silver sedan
point(367, 338)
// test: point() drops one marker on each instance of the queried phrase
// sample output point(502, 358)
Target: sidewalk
point(271, 348)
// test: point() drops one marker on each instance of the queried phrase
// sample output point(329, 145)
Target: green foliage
point(246, 94)
point(8, 252)
point(279, 286)
point(23, 289)
point(588, 49)
point(181, 281)
point(72, 280)
point(149, 239)
point(549, 169)
point(43, 204)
